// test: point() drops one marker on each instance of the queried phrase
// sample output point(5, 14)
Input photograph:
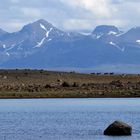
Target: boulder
point(118, 128)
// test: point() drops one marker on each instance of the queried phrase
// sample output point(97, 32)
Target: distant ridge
point(42, 45)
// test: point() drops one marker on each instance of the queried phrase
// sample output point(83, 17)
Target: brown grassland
point(48, 84)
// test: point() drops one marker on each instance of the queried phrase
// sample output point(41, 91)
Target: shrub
point(117, 83)
point(65, 84)
point(75, 84)
point(47, 86)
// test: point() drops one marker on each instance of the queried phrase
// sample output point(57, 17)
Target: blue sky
point(70, 14)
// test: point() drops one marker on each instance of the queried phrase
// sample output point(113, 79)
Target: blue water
point(66, 119)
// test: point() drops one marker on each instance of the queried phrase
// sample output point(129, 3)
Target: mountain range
point(40, 45)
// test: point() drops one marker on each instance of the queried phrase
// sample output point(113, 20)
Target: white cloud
point(116, 12)
point(15, 1)
point(96, 7)
point(70, 14)
point(75, 24)
point(31, 12)
point(89, 13)
point(13, 24)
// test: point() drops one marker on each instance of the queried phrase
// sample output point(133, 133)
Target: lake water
point(66, 119)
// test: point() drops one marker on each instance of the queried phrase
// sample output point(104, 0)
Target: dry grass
point(47, 84)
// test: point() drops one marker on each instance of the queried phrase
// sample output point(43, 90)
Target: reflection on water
point(66, 119)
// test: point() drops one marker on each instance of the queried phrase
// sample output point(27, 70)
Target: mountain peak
point(42, 21)
point(105, 29)
point(133, 35)
point(41, 45)
point(37, 25)
point(135, 29)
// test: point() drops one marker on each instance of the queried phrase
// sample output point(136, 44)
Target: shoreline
point(71, 98)
point(37, 96)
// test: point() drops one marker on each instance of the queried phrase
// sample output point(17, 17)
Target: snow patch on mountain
point(97, 36)
point(47, 34)
point(7, 54)
point(4, 46)
point(43, 27)
point(49, 40)
point(114, 44)
point(8, 49)
point(138, 41)
point(112, 33)
point(19, 47)
point(39, 44)
point(120, 34)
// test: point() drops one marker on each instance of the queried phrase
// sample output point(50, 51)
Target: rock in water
point(118, 128)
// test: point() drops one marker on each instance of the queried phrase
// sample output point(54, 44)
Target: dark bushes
point(117, 83)
point(65, 84)
point(75, 84)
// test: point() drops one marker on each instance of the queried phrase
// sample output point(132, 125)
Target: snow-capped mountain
point(31, 36)
point(30, 39)
point(105, 30)
point(41, 45)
